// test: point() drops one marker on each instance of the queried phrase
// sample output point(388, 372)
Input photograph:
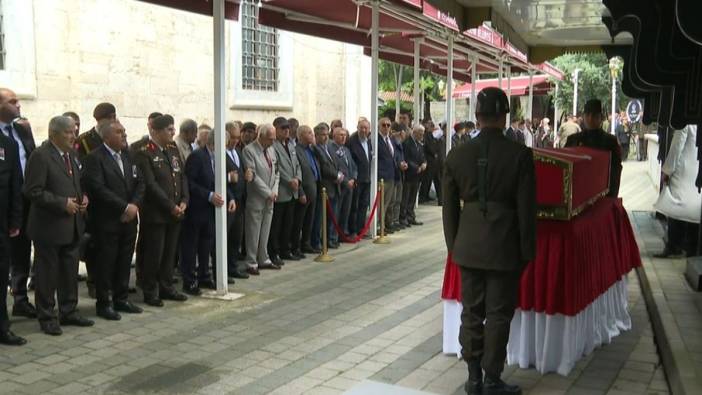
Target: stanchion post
point(324, 256)
point(382, 239)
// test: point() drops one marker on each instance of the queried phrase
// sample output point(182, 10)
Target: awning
point(519, 85)
point(204, 7)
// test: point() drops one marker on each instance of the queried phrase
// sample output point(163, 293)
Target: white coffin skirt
point(553, 343)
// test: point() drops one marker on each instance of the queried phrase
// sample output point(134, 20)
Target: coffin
point(569, 180)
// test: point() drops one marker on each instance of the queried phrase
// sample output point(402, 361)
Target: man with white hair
point(261, 195)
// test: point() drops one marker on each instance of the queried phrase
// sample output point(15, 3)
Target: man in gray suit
point(56, 224)
point(289, 192)
point(347, 166)
point(261, 194)
point(491, 238)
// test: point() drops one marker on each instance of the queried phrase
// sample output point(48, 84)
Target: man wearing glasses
point(387, 167)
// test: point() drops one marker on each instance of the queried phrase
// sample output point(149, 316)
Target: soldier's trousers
point(489, 299)
point(158, 247)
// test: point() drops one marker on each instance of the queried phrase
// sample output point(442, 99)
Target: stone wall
point(146, 58)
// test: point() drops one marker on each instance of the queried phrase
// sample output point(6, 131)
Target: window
point(260, 61)
point(2, 40)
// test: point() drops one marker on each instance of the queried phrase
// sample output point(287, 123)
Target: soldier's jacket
point(599, 139)
point(86, 142)
point(166, 184)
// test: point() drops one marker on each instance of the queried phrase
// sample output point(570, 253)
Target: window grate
point(260, 62)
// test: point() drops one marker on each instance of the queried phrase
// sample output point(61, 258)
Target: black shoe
point(76, 320)
point(474, 385)
point(239, 274)
point(173, 295)
point(405, 224)
point(230, 280)
point(253, 271)
point(192, 290)
point(51, 328)
point(108, 313)
point(414, 222)
point(289, 257)
point(333, 245)
point(155, 302)
point(207, 284)
point(299, 255)
point(24, 309)
point(311, 250)
point(10, 339)
point(128, 307)
point(499, 387)
point(277, 261)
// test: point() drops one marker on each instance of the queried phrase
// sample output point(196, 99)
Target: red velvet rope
point(363, 231)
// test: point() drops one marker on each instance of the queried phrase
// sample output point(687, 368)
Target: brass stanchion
point(324, 256)
point(382, 239)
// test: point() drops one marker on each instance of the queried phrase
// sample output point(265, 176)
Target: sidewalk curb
point(677, 364)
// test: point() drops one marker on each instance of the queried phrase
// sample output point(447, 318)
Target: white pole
point(449, 95)
point(509, 94)
point(555, 109)
point(220, 159)
point(473, 83)
point(531, 97)
point(375, 9)
point(499, 75)
point(614, 101)
point(417, 99)
point(575, 92)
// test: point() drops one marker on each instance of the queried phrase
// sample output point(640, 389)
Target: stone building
point(61, 55)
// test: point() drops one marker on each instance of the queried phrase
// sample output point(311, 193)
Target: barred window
point(260, 62)
point(2, 39)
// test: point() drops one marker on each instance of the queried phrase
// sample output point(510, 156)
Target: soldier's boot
point(474, 385)
point(495, 386)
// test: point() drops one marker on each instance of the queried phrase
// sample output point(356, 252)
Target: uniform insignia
point(2, 153)
point(134, 171)
point(175, 163)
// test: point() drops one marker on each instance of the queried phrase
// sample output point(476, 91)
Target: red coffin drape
point(576, 261)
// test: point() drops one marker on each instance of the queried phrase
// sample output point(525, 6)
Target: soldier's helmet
point(492, 101)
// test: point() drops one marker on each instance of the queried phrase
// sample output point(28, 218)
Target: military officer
point(491, 238)
point(162, 211)
point(594, 137)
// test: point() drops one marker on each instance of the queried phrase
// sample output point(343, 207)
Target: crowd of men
point(91, 197)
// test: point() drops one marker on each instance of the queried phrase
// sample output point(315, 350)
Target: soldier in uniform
point(162, 211)
point(491, 238)
point(594, 137)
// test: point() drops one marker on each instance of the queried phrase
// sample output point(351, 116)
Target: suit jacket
point(414, 156)
point(330, 171)
point(165, 181)
point(266, 178)
point(10, 185)
point(289, 169)
point(309, 182)
point(505, 237)
point(201, 182)
point(236, 190)
point(345, 164)
point(387, 167)
point(599, 139)
point(433, 150)
point(27, 138)
point(399, 158)
point(109, 190)
point(48, 184)
point(363, 161)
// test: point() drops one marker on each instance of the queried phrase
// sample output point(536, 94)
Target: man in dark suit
point(116, 191)
point(347, 167)
point(331, 178)
point(56, 225)
point(416, 165)
point(594, 137)
point(311, 178)
point(236, 189)
point(491, 238)
point(10, 223)
point(398, 135)
point(19, 132)
point(434, 153)
point(387, 169)
point(165, 201)
point(512, 131)
point(362, 152)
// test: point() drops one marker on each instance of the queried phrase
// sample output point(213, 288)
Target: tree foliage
point(388, 73)
point(594, 81)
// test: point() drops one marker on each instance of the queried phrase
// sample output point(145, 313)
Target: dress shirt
point(9, 131)
point(364, 144)
point(234, 156)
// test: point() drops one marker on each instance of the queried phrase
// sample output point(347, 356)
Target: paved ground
point(374, 314)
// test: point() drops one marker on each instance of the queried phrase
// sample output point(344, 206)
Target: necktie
point(8, 130)
point(268, 159)
point(67, 162)
point(313, 163)
point(392, 150)
point(118, 158)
